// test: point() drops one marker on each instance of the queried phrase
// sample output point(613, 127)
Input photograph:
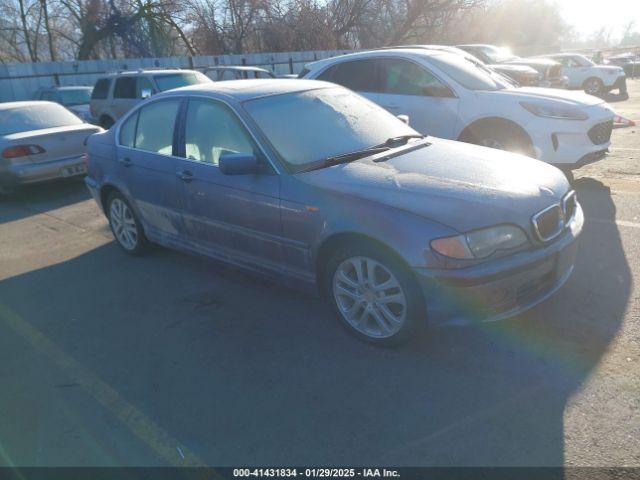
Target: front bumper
point(28, 173)
point(502, 288)
point(565, 143)
point(620, 84)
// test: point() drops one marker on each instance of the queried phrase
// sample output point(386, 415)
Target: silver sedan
point(40, 141)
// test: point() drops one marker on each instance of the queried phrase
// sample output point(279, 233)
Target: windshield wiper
point(358, 154)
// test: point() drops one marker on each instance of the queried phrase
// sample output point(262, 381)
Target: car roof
point(242, 90)
point(395, 51)
point(151, 71)
point(24, 103)
point(237, 67)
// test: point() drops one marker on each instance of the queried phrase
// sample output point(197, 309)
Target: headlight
point(480, 243)
point(554, 111)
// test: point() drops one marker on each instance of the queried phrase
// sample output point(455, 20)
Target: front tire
point(500, 136)
point(373, 294)
point(593, 86)
point(125, 226)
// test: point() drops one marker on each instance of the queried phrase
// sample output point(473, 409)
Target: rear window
point(77, 96)
point(35, 117)
point(101, 90)
point(177, 80)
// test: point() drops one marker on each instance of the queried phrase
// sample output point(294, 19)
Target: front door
point(234, 217)
point(407, 88)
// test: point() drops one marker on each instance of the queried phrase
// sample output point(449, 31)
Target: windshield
point(35, 117)
point(584, 61)
point(469, 74)
point(498, 54)
point(327, 122)
point(177, 80)
point(77, 96)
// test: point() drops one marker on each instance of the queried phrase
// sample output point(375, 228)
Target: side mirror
point(404, 119)
point(238, 164)
point(146, 93)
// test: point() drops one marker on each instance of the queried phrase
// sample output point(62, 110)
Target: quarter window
point(212, 130)
point(128, 131)
point(155, 127)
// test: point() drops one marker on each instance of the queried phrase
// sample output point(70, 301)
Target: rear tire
point(106, 122)
point(373, 294)
point(125, 226)
point(499, 135)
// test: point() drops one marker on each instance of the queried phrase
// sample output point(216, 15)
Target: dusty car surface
point(345, 200)
point(40, 141)
point(447, 96)
point(75, 98)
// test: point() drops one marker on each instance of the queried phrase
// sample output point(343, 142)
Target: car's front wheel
point(125, 225)
point(593, 86)
point(374, 294)
point(500, 136)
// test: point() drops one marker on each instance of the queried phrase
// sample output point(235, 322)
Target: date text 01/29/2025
point(315, 473)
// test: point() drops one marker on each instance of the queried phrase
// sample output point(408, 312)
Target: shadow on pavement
point(247, 373)
point(34, 199)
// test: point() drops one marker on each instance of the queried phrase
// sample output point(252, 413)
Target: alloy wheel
point(123, 224)
point(369, 297)
point(592, 87)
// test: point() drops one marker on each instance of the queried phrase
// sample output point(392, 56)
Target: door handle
point(185, 176)
point(126, 161)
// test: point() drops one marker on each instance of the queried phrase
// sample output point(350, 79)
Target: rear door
point(411, 89)
point(124, 95)
point(235, 217)
point(146, 166)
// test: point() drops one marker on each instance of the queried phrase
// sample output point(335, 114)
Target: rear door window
point(144, 88)
point(125, 87)
point(156, 123)
point(101, 90)
point(128, 131)
point(357, 75)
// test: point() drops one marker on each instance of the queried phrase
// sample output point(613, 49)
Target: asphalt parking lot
point(169, 359)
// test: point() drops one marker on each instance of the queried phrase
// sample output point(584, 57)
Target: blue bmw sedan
point(315, 186)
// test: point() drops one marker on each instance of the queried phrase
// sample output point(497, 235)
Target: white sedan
point(447, 96)
point(585, 75)
point(40, 141)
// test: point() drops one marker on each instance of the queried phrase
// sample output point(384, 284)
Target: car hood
point(574, 98)
point(609, 68)
point(513, 68)
point(459, 185)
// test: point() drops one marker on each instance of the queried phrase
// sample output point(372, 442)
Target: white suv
point(115, 94)
point(447, 96)
point(593, 79)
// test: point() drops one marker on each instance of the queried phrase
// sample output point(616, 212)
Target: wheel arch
point(467, 131)
point(334, 241)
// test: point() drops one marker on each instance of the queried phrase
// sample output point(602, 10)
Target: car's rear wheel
point(593, 86)
point(106, 122)
point(125, 225)
point(374, 294)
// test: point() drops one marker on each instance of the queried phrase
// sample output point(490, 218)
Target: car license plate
point(74, 170)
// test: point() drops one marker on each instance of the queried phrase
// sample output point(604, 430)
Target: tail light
point(17, 151)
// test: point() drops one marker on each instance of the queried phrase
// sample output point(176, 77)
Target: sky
point(588, 16)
